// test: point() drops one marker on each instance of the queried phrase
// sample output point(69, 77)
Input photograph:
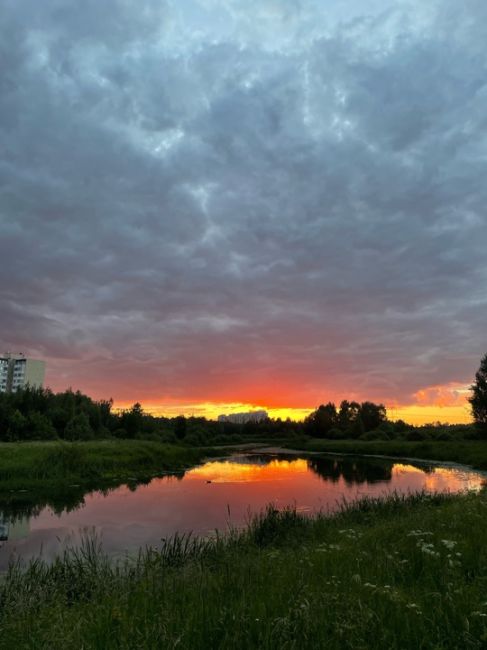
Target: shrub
point(38, 427)
point(167, 436)
point(416, 435)
point(78, 428)
point(375, 435)
point(335, 434)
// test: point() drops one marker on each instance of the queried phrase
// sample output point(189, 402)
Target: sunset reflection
point(245, 471)
point(221, 494)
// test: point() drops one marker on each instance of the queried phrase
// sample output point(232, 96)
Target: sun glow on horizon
point(416, 414)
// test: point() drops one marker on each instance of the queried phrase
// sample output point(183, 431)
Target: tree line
point(41, 414)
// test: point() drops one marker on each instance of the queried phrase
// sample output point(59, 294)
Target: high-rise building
point(242, 418)
point(16, 371)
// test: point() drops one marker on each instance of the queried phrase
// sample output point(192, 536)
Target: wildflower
point(449, 543)
point(414, 607)
point(419, 533)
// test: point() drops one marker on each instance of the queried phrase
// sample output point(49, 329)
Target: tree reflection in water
point(62, 498)
point(356, 471)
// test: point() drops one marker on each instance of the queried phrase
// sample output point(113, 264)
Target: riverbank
point(44, 467)
point(34, 465)
point(403, 573)
point(463, 452)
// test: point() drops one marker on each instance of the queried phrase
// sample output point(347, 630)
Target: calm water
point(210, 496)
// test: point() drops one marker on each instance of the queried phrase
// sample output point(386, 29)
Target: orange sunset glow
point(417, 413)
point(261, 227)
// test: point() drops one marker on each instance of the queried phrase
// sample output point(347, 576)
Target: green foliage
point(378, 434)
point(78, 428)
point(478, 398)
point(180, 427)
point(336, 434)
point(39, 427)
point(16, 426)
point(38, 466)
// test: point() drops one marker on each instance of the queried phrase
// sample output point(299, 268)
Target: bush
point(78, 428)
point(168, 437)
point(336, 434)
point(445, 435)
point(387, 427)
point(416, 435)
point(375, 435)
point(195, 439)
point(38, 427)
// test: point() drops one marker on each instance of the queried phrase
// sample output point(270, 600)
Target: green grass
point(467, 452)
point(409, 572)
point(32, 465)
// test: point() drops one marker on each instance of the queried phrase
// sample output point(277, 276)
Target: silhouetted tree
point(348, 414)
point(372, 415)
point(180, 427)
point(478, 399)
point(321, 421)
point(132, 421)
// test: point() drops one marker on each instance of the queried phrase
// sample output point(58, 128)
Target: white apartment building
point(242, 418)
point(16, 371)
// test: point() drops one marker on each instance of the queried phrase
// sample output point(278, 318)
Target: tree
point(78, 428)
point(372, 415)
point(16, 425)
point(132, 421)
point(180, 427)
point(39, 427)
point(348, 414)
point(478, 399)
point(321, 421)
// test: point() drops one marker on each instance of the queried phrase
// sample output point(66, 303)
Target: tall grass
point(408, 572)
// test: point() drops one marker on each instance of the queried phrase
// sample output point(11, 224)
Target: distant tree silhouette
point(372, 415)
point(132, 421)
point(478, 399)
point(321, 421)
point(180, 427)
point(348, 414)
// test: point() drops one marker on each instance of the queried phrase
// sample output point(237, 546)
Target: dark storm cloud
point(204, 201)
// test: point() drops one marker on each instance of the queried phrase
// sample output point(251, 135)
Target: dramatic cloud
point(274, 202)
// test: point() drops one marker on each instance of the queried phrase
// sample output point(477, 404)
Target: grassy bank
point(405, 573)
point(467, 452)
point(32, 465)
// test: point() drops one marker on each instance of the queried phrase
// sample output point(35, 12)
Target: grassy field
point(30, 465)
point(404, 573)
point(467, 452)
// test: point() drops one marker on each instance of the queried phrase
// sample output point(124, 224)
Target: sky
point(216, 205)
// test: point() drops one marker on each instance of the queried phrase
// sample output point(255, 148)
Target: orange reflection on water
point(222, 493)
point(442, 479)
point(235, 472)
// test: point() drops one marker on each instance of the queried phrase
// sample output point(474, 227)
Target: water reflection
point(211, 496)
point(353, 472)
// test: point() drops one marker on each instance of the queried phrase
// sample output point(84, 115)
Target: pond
point(215, 495)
